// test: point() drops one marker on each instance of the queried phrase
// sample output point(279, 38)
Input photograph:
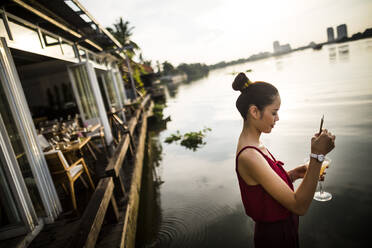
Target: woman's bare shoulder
point(249, 161)
point(250, 157)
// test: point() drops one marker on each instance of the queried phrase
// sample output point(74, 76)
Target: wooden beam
point(145, 101)
point(116, 163)
point(123, 234)
point(55, 23)
point(90, 223)
point(104, 30)
point(130, 223)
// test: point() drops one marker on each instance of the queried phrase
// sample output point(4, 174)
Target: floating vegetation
point(249, 70)
point(173, 138)
point(190, 140)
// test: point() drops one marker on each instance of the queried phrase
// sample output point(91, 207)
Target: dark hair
point(258, 93)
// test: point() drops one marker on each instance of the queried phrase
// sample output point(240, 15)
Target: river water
point(195, 199)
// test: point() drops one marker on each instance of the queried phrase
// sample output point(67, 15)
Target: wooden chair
point(100, 136)
point(63, 173)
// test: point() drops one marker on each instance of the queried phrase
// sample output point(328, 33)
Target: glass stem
point(321, 187)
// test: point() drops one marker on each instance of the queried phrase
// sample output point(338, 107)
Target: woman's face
point(269, 116)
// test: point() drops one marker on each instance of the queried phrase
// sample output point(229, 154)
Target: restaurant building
point(56, 61)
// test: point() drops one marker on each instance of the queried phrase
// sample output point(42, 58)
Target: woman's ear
point(254, 112)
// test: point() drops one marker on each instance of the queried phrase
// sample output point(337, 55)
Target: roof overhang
point(69, 19)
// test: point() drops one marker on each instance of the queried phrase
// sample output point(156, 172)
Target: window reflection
point(113, 97)
point(120, 85)
point(8, 211)
point(19, 151)
point(85, 92)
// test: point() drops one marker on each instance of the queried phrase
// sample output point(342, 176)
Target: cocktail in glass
point(320, 194)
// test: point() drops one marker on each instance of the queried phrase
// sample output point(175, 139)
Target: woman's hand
point(323, 143)
point(300, 171)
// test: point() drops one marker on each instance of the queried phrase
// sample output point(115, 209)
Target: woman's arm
point(252, 165)
point(298, 172)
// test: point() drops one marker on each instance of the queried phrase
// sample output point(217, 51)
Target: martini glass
point(320, 194)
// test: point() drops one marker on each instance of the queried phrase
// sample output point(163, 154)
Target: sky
point(210, 31)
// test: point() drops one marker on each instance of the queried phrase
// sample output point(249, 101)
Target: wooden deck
point(110, 218)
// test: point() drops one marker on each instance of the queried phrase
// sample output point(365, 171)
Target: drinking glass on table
point(320, 194)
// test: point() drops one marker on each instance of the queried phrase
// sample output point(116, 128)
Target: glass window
point(19, 151)
point(8, 211)
point(52, 45)
point(88, 104)
point(91, 57)
point(82, 54)
point(25, 37)
point(113, 97)
point(120, 85)
point(68, 50)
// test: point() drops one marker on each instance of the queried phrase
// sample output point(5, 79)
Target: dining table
point(78, 145)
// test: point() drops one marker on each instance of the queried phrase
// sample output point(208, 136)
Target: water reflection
point(207, 226)
point(332, 54)
point(368, 45)
point(342, 51)
point(172, 89)
point(149, 217)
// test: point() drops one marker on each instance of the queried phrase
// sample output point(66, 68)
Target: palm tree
point(122, 33)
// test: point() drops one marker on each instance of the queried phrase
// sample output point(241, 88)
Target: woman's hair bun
point(240, 82)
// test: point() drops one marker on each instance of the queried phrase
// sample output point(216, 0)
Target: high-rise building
point(341, 31)
point(330, 34)
point(276, 46)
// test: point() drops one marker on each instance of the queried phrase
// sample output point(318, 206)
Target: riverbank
point(367, 34)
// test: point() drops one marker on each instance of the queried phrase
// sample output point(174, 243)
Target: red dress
point(275, 225)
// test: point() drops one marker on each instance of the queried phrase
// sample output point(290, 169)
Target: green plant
point(158, 111)
point(174, 137)
point(190, 140)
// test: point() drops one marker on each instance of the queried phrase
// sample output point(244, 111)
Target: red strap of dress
point(272, 155)
point(278, 163)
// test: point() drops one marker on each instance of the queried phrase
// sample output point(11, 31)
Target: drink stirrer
point(321, 125)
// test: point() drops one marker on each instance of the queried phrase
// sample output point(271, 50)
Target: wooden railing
point(103, 202)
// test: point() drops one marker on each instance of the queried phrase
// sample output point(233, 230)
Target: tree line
point(193, 71)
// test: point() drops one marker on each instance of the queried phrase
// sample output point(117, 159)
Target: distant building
point(276, 46)
point(330, 34)
point(278, 49)
point(341, 31)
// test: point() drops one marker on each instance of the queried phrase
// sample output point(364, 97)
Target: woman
point(266, 188)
